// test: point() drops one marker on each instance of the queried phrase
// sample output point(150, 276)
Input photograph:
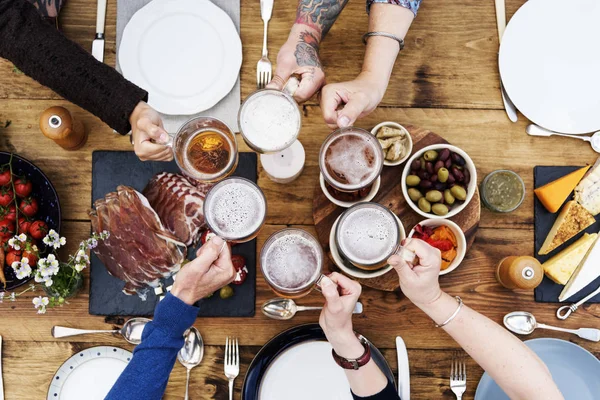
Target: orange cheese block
point(554, 194)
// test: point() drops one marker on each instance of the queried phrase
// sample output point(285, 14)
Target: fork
point(232, 362)
point(458, 376)
point(263, 68)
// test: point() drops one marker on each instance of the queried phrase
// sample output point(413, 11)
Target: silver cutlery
point(191, 354)
point(524, 323)
point(131, 331)
point(458, 376)
point(232, 362)
point(1, 380)
point(98, 43)
point(536, 130)
point(403, 369)
point(564, 311)
point(283, 309)
point(509, 107)
point(264, 68)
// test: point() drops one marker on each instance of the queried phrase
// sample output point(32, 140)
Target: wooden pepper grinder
point(58, 124)
point(522, 272)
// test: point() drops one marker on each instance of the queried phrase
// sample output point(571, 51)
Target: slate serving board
point(113, 168)
point(548, 291)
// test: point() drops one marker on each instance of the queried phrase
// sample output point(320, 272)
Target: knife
point(1, 381)
point(98, 43)
point(510, 108)
point(403, 370)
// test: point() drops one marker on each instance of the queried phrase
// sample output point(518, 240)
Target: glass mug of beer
point(291, 262)
point(351, 159)
point(269, 119)
point(205, 149)
point(235, 209)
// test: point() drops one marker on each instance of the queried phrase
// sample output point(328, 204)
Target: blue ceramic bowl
point(49, 206)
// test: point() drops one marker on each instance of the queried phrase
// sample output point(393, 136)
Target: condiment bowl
point(410, 141)
point(348, 204)
point(471, 187)
point(461, 240)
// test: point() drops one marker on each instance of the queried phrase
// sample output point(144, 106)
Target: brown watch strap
point(354, 363)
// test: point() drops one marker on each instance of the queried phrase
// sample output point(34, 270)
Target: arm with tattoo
point(319, 14)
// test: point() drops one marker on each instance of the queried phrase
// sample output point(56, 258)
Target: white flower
point(15, 265)
point(40, 301)
point(22, 237)
point(14, 243)
point(34, 248)
point(41, 310)
point(48, 281)
point(47, 240)
point(24, 271)
point(52, 239)
point(53, 269)
point(38, 277)
point(52, 261)
point(63, 241)
point(25, 261)
point(79, 267)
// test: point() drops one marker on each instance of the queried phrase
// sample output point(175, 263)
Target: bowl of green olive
point(439, 181)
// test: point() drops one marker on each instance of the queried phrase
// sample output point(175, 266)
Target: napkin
point(227, 109)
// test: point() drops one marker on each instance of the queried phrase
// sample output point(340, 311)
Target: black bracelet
point(384, 34)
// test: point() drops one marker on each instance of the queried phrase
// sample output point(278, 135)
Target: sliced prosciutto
point(179, 204)
point(139, 250)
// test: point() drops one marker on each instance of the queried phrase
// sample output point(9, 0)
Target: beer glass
point(205, 149)
point(291, 262)
point(235, 209)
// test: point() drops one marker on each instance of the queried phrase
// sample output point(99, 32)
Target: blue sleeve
point(146, 376)
point(412, 5)
point(388, 393)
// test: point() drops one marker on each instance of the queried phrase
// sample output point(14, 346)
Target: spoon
point(535, 130)
point(283, 309)
point(191, 353)
point(131, 331)
point(524, 323)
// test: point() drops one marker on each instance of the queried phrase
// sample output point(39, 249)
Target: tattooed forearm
point(319, 14)
point(307, 50)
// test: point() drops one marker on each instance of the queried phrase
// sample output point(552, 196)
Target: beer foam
point(367, 235)
point(235, 209)
point(292, 262)
point(352, 161)
point(270, 121)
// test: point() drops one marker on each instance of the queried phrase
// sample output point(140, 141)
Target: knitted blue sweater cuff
point(174, 316)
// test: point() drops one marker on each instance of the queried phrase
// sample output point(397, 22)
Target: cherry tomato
point(31, 256)
point(238, 262)
point(13, 256)
point(7, 228)
point(24, 225)
point(29, 206)
point(4, 177)
point(23, 187)
point(241, 276)
point(6, 196)
point(9, 213)
point(38, 229)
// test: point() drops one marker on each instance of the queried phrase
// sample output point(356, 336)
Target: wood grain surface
point(325, 213)
point(446, 80)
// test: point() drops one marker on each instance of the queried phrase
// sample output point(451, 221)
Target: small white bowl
point(410, 142)
point(470, 189)
point(461, 240)
point(347, 267)
point(348, 204)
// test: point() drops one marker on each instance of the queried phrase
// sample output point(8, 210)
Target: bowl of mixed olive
point(439, 181)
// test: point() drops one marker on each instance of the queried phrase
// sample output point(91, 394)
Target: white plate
point(311, 361)
point(89, 374)
point(186, 53)
point(550, 63)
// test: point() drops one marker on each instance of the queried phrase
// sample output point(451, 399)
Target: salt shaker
point(58, 124)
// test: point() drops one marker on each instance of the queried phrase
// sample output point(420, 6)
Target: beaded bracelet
point(384, 34)
point(460, 304)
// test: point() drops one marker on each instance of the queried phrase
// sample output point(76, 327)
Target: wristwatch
point(354, 363)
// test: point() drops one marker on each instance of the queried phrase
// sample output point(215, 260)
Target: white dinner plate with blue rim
point(575, 370)
point(186, 53)
point(89, 374)
point(550, 63)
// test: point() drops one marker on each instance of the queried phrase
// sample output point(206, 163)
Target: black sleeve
point(45, 54)
point(388, 393)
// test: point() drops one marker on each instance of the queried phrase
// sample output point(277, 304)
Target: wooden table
point(446, 80)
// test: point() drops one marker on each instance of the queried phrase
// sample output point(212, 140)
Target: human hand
point(208, 272)
point(146, 127)
point(357, 98)
point(341, 295)
point(300, 56)
point(420, 283)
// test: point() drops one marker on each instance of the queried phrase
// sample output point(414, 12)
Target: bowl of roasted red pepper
point(28, 205)
point(445, 236)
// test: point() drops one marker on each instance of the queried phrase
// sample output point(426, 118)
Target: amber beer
point(291, 261)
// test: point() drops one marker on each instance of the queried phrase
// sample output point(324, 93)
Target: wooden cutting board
point(390, 195)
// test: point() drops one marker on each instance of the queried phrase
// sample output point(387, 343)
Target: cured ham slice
point(179, 204)
point(139, 250)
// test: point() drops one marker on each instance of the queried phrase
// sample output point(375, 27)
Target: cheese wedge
point(587, 193)
point(554, 194)
point(560, 267)
point(572, 219)
point(587, 271)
